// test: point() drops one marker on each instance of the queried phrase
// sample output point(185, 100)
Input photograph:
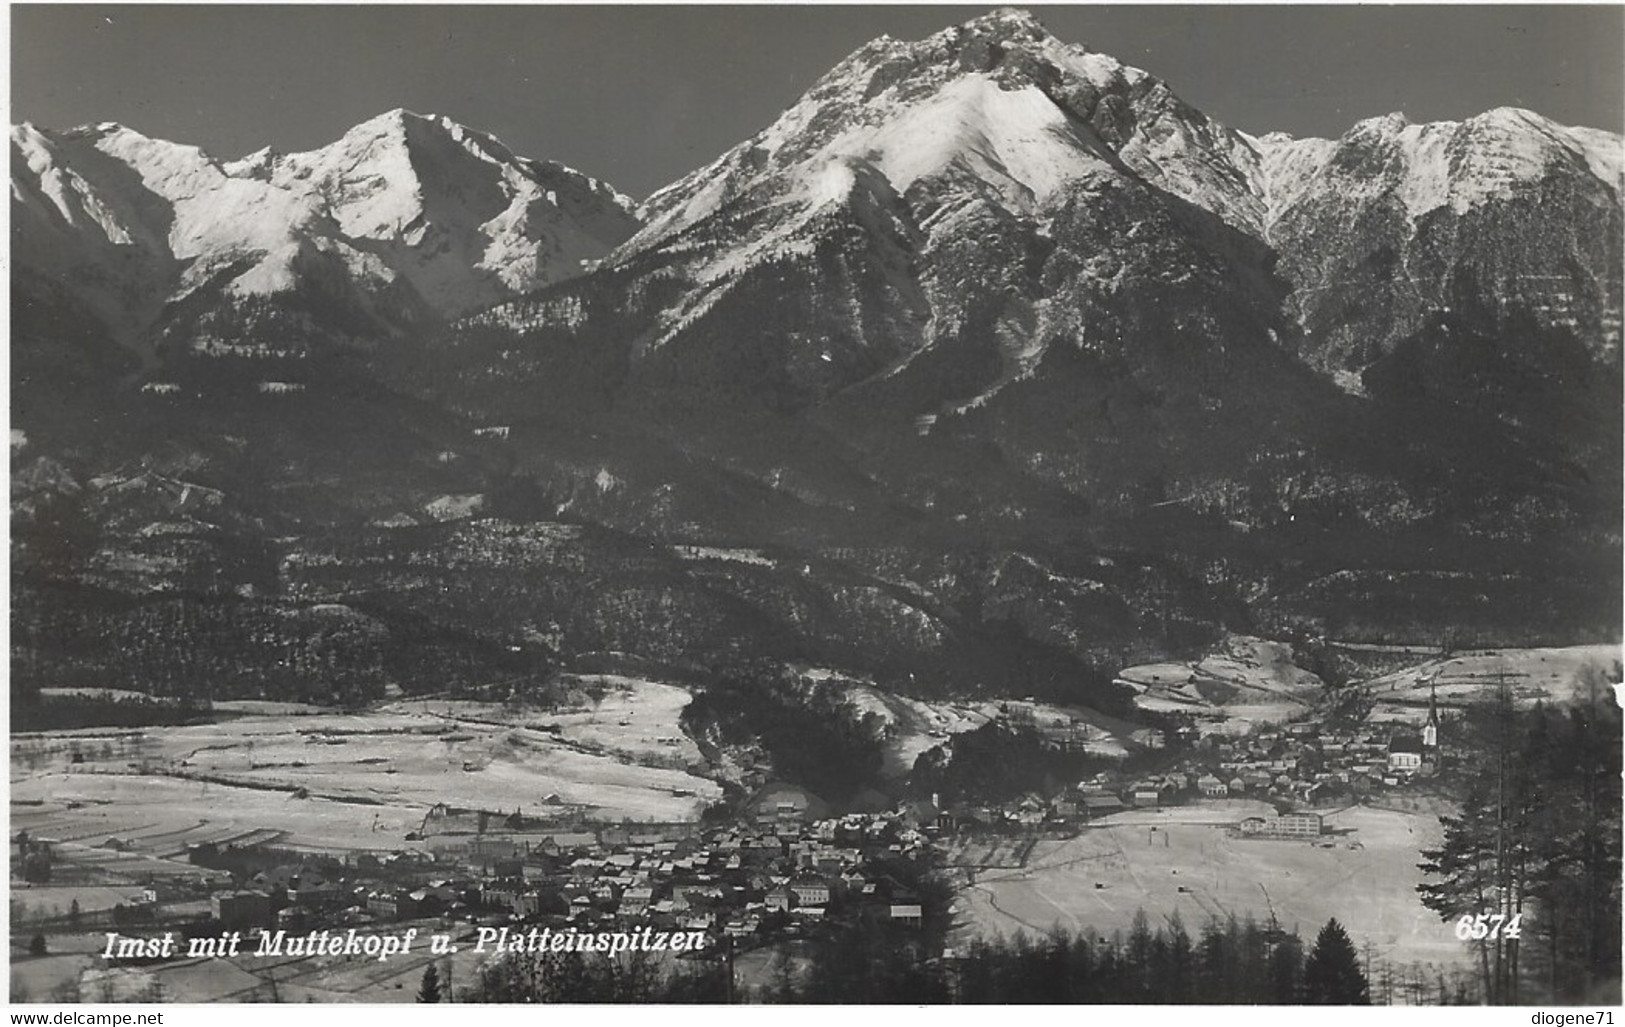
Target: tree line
point(192, 648)
point(31, 711)
point(1227, 962)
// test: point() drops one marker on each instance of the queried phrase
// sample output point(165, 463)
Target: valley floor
point(123, 806)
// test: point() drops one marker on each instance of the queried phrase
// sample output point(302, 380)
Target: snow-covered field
point(634, 718)
point(1552, 675)
point(1247, 682)
point(1367, 879)
point(367, 778)
point(44, 900)
point(1244, 682)
point(918, 724)
point(163, 813)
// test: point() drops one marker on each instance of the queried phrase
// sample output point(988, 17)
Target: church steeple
point(1430, 730)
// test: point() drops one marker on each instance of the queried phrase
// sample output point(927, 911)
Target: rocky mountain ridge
point(999, 362)
point(419, 217)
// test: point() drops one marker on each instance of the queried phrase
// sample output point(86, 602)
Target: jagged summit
point(1009, 19)
point(1393, 121)
point(998, 99)
point(1009, 25)
point(436, 216)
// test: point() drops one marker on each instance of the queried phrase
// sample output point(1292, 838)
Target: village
point(1299, 764)
point(780, 864)
point(782, 867)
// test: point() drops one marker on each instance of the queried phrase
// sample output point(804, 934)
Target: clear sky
point(639, 95)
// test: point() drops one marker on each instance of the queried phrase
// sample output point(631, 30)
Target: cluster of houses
point(730, 881)
point(1296, 762)
point(785, 862)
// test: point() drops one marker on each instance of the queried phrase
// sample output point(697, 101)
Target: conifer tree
point(429, 990)
point(1332, 976)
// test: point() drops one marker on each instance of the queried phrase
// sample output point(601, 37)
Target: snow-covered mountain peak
point(1388, 124)
point(1011, 20)
point(996, 100)
point(403, 128)
point(394, 117)
point(258, 164)
point(1011, 25)
point(1514, 116)
point(473, 221)
point(402, 199)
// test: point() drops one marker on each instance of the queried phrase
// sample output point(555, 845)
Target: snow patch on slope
point(1455, 164)
point(1014, 138)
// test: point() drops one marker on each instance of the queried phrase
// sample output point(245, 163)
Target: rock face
point(1395, 221)
point(965, 200)
point(999, 362)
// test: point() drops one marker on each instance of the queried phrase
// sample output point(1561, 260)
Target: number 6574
point(1490, 926)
